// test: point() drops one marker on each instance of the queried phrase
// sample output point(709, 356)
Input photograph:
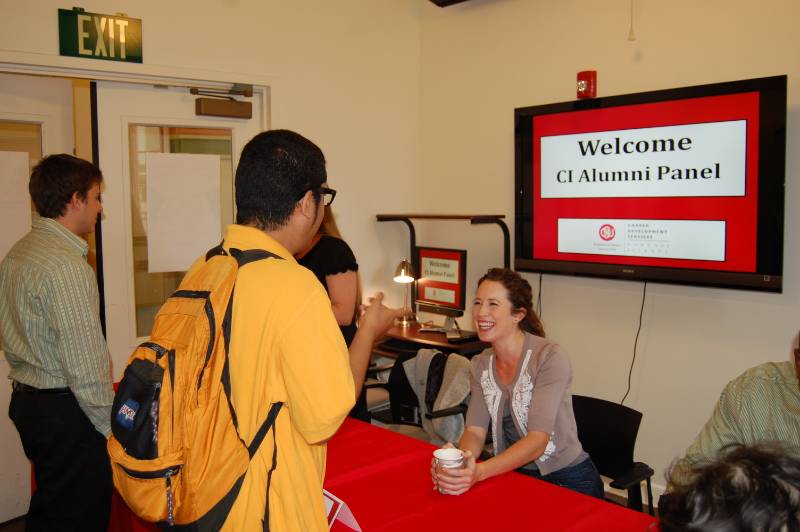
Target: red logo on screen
point(607, 232)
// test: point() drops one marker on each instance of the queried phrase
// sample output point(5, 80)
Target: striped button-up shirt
point(760, 405)
point(49, 319)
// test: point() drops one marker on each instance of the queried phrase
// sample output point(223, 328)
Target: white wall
point(483, 58)
point(48, 102)
point(413, 107)
point(344, 73)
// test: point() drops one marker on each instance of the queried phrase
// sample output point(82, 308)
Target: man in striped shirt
point(58, 359)
point(759, 406)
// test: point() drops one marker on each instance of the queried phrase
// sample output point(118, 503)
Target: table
point(384, 478)
point(400, 339)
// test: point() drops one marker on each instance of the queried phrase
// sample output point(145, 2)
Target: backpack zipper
point(152, 474)
point(154, 413)
point(171, 368)
point(166, 474)
point(170, 502)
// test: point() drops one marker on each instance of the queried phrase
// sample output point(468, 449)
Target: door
point(136, 122)
point(35, 119)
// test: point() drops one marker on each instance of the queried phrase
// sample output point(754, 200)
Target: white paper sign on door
point(183, 211)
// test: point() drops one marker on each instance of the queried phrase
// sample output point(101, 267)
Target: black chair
point(403, 404)
point(377, 397)
point(607, 432)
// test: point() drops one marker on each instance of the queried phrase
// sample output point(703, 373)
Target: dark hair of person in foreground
point(275, 170)
point(747, 488)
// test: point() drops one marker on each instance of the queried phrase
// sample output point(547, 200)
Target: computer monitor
point(441, 284)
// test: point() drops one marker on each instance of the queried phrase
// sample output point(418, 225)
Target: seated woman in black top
point(333, 262)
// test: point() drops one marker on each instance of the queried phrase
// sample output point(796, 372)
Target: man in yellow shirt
point(285, 343)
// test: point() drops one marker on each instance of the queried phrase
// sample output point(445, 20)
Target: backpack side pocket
point(151, 488)
point(134, 415)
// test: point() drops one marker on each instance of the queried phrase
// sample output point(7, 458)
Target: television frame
point(768, 273)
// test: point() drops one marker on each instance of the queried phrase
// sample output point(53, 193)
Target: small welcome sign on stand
point(338, 511)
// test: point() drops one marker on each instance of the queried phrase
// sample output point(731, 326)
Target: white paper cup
point(449, 458)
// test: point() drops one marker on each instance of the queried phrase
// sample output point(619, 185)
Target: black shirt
point(330, 256)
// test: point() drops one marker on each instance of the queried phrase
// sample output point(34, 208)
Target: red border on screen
point(739, 213)
point(423, 283)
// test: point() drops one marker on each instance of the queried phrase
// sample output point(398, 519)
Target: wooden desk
point(400, 339)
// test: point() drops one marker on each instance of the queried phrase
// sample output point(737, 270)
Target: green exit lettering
point(99, 36)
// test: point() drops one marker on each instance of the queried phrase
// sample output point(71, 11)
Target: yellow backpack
point(176, 453)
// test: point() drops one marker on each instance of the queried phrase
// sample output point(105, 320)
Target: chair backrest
point(403, 403)
point(433, 384)
point(440, 382)
point(607, 432)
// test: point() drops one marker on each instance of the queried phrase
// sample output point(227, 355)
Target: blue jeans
point(582, 477)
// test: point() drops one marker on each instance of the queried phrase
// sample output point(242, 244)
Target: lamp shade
point(404, 273)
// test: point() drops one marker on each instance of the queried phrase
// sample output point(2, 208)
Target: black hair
point(57, 178)
point(520, 295)
point(275, 169)
point(746, 488)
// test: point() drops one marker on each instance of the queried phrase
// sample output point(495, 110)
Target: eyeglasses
point(327, 194)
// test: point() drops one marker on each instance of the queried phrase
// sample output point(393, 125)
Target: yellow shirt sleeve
point(316, 370)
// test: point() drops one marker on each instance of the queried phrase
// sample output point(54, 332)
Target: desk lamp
point(404, 274)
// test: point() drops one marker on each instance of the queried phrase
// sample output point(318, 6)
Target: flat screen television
point(681, 185)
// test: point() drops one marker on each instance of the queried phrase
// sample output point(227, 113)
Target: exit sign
point(97, 36)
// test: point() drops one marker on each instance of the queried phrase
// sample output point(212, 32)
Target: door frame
point(200, 79)
point(203, 79)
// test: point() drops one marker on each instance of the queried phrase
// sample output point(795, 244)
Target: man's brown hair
point(56, 178)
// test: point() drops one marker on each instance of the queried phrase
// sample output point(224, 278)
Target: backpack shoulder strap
point(242, 258)
point(251, 255)
point(216, 250)
point(434, 381)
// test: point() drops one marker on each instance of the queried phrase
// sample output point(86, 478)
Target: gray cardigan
point(540, 401)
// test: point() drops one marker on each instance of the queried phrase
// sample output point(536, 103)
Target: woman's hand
point(457, 481)
point(434, 476)
point(376, 318)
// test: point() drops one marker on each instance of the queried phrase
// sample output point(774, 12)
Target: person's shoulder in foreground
point(746, 488)
point(760, 405)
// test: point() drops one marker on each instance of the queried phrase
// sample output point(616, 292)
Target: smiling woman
point(521, 388)
point(510, 286)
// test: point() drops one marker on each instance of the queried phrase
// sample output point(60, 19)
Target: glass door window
point(153, 288)
point(22, 136)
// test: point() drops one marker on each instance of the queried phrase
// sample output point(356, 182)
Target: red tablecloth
point(384, 478)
